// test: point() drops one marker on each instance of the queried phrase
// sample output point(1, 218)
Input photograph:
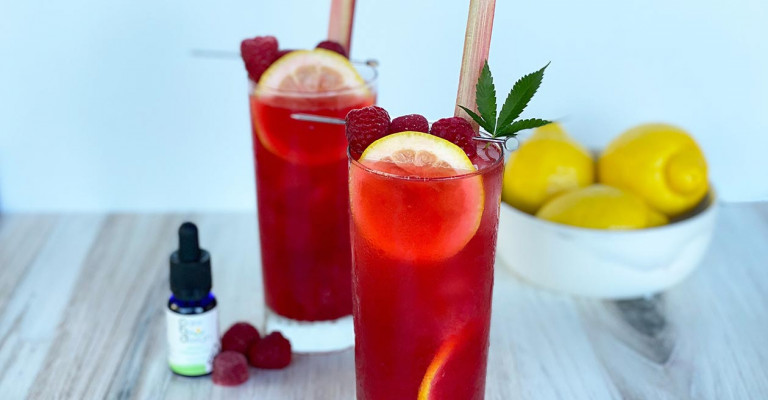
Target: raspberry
point(258, 54)
point(282, 53)
point(411, 122)
point(364, 126)
point(239, 337)
point(332, 46)
point(458, 131)
point(230, 369)
point(271, 352)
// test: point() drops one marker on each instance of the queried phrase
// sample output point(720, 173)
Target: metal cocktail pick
point(504, 142)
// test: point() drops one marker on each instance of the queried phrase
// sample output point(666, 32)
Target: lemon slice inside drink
point(422, 203)
point(312, 71)
point(457, 361)
point(437, 364)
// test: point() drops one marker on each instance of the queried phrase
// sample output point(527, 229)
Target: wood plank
point(21, 237)
point(701, 339)
point(125, 265)
point(28, 322)
point(730, 309)
point(704, 339)
point(539, 348)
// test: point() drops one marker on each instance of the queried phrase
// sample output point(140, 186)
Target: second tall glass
point(303, 211)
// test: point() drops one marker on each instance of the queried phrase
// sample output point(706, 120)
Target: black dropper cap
point(190, 267)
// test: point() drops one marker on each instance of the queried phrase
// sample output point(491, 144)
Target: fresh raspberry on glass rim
point(260, 52)
point(369, 124)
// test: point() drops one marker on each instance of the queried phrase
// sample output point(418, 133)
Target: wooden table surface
point(82, 300)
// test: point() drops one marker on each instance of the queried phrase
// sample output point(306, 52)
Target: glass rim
point(480, 171)
point(368, 83)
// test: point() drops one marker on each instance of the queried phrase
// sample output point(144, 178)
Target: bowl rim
point(705, 207)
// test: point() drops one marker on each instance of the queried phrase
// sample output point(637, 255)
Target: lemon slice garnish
point(312, 71)
point(416, 220)
point(419, 149)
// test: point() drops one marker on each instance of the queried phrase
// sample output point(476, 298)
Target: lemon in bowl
point(661, 163)
point(619, 239)
point(601, 207)
point(549, 163)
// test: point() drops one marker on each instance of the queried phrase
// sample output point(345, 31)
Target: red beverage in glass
point(303, 210)
point(423, 243)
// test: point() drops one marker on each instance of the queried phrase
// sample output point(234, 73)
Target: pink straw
point(477, 43)
point(340, 23)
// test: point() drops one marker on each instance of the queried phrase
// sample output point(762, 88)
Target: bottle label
point(193, 342)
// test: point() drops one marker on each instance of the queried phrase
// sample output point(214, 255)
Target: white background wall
point(104, 105)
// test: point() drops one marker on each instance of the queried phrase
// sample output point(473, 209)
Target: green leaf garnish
point(517, 100)
point(485, 125)
point(486, 97)
point(520, 95)
point(521, 124)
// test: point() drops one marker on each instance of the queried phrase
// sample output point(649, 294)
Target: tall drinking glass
point(423, 253)
point(303, 211)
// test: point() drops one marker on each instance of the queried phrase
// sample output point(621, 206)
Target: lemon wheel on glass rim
point(318, 82)
point(444, 209)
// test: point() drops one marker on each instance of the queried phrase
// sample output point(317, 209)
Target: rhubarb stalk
point(477, 43)
point(340, 23)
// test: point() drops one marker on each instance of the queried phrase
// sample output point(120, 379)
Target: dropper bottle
point(191, 315)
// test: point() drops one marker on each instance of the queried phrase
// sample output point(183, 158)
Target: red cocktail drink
point(303, 210)
point(423, 242)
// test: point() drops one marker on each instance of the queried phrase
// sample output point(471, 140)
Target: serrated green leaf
point(485, 125)
point(523, 124)
point(485, 94)
point(519, 97)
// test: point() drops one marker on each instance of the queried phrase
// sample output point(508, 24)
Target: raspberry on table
point(411, 122)
point(458, 131)
point(239, 337)
point(230, 368)
point(332, 46)
point(258, 54)
point(271, 352)
point(364, 126)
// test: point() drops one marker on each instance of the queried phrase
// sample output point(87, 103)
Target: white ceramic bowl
point(604, 263)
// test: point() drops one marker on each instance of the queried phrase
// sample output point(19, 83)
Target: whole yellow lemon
point(601, 207)
point(660, 163)
point(545, 165)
